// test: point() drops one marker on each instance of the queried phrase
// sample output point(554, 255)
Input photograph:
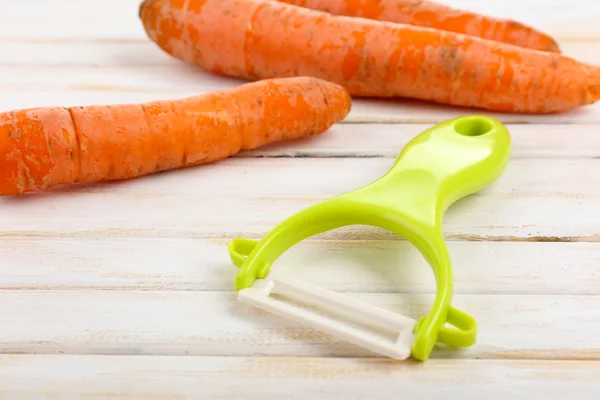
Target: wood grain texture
point(143, 378)
point(217, 324)
point(172, 264)
point(249, 196)
point(183, 378)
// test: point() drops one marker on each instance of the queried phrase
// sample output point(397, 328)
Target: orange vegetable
point(438, 16)
point(254, 39)
point(44, 147)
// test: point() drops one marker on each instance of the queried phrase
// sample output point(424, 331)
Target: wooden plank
point(26, 87)
point(172, 264)
point(386, 140)
point(50, 31)
point(575, 19)
point(263, 378)
point(535, 199)
point(116, 79)
point(140, 54)
point(217, 324)
point(407, 111)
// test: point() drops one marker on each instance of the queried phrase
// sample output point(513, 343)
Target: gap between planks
point(337, 235)
point(180, 264)
point(534, 200)
point(375, 140)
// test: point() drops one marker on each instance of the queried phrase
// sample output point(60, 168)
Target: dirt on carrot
point(438, 16)
point(49, 146)
point(254, 39)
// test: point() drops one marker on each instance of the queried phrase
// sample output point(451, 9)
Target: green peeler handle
point(441, 165)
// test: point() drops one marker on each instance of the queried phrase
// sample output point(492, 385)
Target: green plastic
point(439, 166)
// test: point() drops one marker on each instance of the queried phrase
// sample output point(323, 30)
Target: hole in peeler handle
point(473, 126)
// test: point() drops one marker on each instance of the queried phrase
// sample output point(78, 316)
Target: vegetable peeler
point(439, 166)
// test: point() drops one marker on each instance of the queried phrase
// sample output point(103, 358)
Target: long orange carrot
point(438, 16)
point(254, 39)
point(44, 147)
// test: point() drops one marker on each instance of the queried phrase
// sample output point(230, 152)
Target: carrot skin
point(438, 16)
point(255, 39)
point(48, 146)
point(37, 146)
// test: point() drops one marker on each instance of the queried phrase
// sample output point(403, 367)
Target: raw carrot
point(254, 39)
point(438, 16)
point(48, 146)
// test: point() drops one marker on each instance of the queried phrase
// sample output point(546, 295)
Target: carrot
point(438, 16)
point(48, 146)
point(255, 39)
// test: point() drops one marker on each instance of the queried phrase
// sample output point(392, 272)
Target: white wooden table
point(126, 290)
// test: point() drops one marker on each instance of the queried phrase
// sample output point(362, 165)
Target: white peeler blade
point(258, 296)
